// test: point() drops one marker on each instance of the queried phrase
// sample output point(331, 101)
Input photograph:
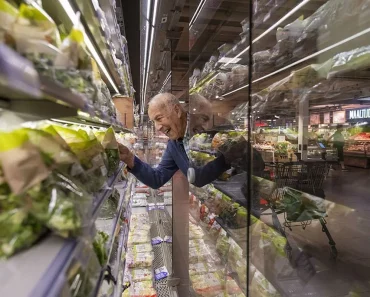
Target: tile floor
point(348, 221)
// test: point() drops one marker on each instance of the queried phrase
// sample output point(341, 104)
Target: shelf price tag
point(161, 273)
point(157, 240)
point(168, 239)
point(160, 205)
point(152, 206)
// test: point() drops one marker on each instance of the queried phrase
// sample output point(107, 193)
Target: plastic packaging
point(110, 144)
point(8, 16)
point(36, 36)
point(139, 260)
point(52, 198)
point(140, 289)
point(90, 154)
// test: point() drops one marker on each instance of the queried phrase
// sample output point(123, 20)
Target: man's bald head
point(165, 101)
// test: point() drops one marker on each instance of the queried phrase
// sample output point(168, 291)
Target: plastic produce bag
point(99, 245)
point(110, 144)
point(8, 16)
point(301, 206)
point(18, 229)
point(36, 36)
point(56, 153)
point(50, 197)
point(90, 153)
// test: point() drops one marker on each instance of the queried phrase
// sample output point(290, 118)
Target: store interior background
point(295, 120)
point(284, 75)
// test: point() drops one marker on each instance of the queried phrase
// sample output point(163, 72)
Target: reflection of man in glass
point(171, 119)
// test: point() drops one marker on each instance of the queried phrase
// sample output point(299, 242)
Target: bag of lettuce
point(89, 152)
point(108, 140)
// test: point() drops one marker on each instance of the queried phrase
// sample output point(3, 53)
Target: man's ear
point(178, 111)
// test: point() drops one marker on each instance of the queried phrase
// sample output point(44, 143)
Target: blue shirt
point(173, 159)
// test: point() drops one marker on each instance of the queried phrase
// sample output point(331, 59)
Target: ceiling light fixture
point(74, 17)
point(296, 8)
point(148, 52)
point(166, 81)
point(197, 12)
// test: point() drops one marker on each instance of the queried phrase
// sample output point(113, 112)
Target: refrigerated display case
point(290, 56)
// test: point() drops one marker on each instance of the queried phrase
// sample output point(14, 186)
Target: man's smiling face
point(167, 119)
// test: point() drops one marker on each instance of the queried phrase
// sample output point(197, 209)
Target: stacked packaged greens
point(33, 33)
point(38, 190)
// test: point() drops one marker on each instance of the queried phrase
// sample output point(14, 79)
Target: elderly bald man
point(171, 119)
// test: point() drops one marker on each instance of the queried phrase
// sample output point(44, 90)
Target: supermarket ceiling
point(179, 49)
point(176, 53)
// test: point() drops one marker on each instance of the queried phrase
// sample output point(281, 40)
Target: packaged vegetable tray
point(140, 289)
point(139, 260)
point(139, 274)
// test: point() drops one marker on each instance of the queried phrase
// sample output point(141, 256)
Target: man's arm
point(210, 172)
point(152, 177)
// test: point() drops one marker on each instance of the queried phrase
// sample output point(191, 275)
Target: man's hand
point(234, 151)
point(126, 156)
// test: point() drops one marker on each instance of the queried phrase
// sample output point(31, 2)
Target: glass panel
point(309, 123)
point(217, 147)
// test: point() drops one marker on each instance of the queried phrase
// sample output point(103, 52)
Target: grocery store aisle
point(348, 205)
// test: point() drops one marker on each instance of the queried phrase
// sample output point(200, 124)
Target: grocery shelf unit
point(53, 256)
point(55, 266)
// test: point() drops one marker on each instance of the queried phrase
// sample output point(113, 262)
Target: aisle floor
point(348, 205)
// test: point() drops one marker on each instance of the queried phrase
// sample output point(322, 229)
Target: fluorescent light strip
point(306, 58)
point(299, 6)
point(197, 12)
point(233, 91)
point(149, 53)
point(74, 19)
point(295, 9)
point(166, 80)
point(316, 54)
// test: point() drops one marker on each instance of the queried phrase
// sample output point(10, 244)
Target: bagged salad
point(89, 152)
point(74, 66)
point(18, 228)
point(51, 198)
point(36, 36)
point(108, 140)
point(8, 16)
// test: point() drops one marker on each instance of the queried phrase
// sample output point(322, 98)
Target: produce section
point(66, 195)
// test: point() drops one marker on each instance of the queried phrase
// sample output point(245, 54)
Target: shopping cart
point(299, 196)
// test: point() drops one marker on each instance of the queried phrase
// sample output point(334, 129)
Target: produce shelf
point(24, 274)
point(105, 193)
point(232, 188)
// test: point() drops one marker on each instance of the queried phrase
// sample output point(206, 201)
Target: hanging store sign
point(358, 114)
point(339, 117)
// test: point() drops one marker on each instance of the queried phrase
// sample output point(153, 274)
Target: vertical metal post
point(303, 121)
point(180, 232)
